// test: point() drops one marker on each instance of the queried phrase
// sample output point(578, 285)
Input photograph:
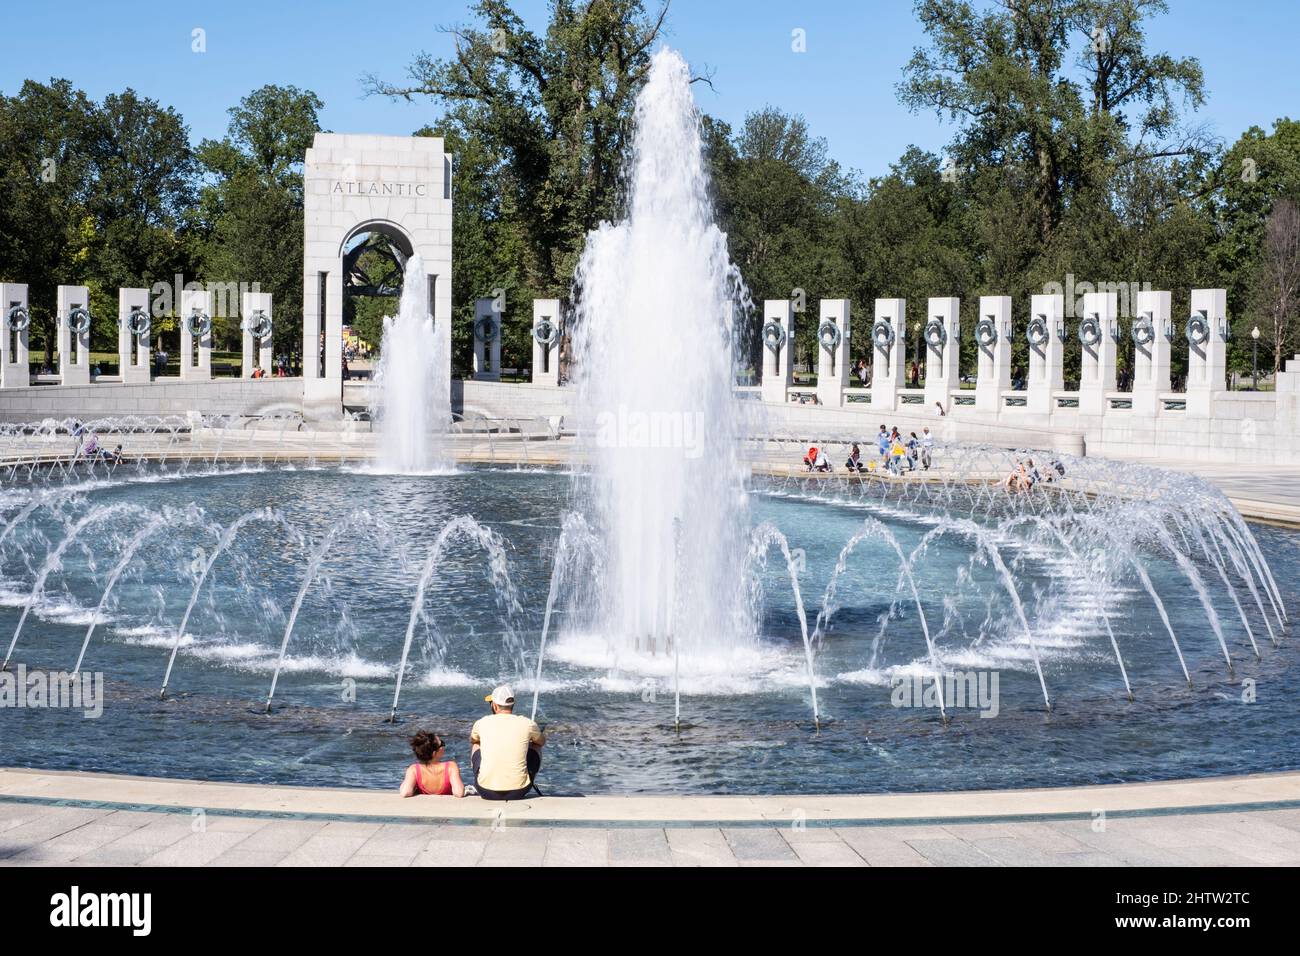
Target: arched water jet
point(968, 528)
point(1198, 585)
point(871, 527)
point(1237, 527)
point(261, 514)
point(1145, 579)
point(467, 527)
point(1222, 542)
point(356, 519)
point(762, 538)
point(52, 563)
point(573, 530)
point(22, 515)
point(1216, 561)
point(165, 519)
point(1043, 523)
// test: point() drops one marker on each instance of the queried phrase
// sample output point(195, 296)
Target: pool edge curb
point(1232, 794)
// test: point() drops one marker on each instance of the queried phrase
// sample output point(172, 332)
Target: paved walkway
point(1268, 492)
point(93, 819)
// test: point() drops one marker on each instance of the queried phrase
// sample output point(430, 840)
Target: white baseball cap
point(502, 696)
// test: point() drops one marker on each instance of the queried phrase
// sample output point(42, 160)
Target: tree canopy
point(1075, 157)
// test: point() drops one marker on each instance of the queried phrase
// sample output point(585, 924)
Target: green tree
point(144, 192)
point(488, 254)
point(1276, 287)
point(551, 115)
point(252, 203)
point(47, 137)
point(1237, 196)
point(776, 191)
point(1003, 72)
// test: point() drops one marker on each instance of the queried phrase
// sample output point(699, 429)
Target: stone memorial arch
point(399, 186)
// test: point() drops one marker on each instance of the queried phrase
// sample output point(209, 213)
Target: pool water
point(747, 723)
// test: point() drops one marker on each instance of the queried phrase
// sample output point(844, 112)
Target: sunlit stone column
point(14, 319)
point(778, 347)
point(1151, 351)
point(487, 340)
point(888, 353)
point(1287, 398)
point(993, 339)
point(833, 351)
point(255, 308)
point(548, 320)
point(942, 350)
point(1046, 334)
point(74, 347)
point(1207, 343)
point(133, 349)
point(1098, 332)
point(196, 328)
point(312, 309)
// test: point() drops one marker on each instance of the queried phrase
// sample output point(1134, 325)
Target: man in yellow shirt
point(505, 750)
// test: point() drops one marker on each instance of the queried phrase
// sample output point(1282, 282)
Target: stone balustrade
point(1147, 420)
point(1206, 421)
point(135, 326)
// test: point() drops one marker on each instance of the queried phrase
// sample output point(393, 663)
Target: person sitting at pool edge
point(431, 775)
point(505, 749)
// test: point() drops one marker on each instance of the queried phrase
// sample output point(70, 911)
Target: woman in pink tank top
point(430, 775)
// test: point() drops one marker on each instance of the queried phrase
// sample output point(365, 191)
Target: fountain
point(656, 304)
point(650, 563)
point(1125, 590)
point(413, 393)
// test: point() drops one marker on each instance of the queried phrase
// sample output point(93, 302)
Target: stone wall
point(1249, 428)
point(159, 397)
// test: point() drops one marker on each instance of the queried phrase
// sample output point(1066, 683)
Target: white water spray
point(412, 384)
point(657, 298)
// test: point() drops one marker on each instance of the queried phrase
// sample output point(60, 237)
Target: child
point(897, 455)
point(429, 775)
point(854, 462)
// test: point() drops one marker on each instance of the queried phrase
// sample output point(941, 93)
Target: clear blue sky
point(844, 83)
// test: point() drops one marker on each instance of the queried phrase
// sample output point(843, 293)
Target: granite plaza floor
point(102, 820)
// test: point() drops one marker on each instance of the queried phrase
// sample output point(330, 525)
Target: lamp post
point(1254, 357)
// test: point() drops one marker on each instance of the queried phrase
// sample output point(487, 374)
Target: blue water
point(748, 729)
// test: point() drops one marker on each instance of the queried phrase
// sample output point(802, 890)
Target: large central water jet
point(657, 299)
point(413, 392)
